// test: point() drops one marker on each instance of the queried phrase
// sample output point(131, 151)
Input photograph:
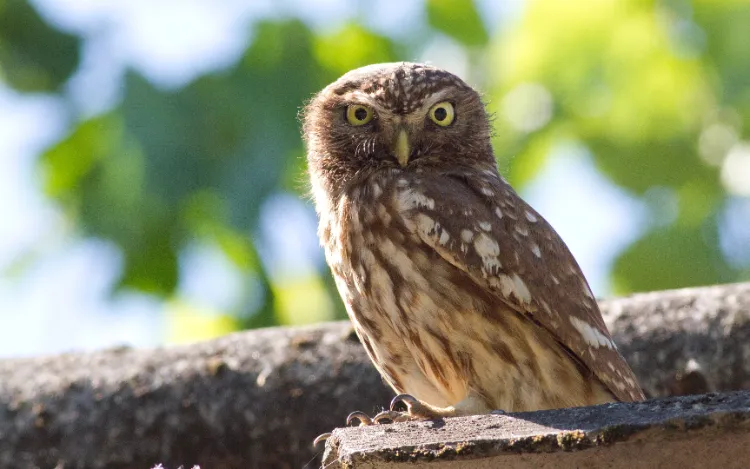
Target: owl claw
point(392, 415)
point(321, 438)
point(363, 418)
point(409, 400)
point(415, 409)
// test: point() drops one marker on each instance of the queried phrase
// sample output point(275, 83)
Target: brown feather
point(457, 288)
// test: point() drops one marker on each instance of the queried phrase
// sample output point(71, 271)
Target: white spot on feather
point(488, 249)
point(409, 199)
point(498, 212)
point(486, 226)
point(486, 246)
point(425, 224)
point(522, 230)
point(376, 190)
point(488, 192)
point(444, 237)
point(467, 236)
point(505, 284)
point(535, 249)
point(531, 217)
point(512, 285)
point(619, 384)
point(521, 290)
point(590, 334)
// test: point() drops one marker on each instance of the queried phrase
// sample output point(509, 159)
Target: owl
point(465, 299)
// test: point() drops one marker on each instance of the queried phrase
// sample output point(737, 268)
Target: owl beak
point(401, 149)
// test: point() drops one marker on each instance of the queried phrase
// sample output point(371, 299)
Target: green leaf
point(640, 166)
point(97, 173)
point(152, 266)
point(521, 159)
point(351, 47)
point(672, 257)
point(66, 164)
point(458, 19)
point(724, 23)
point(233, 132)
point(34, 56)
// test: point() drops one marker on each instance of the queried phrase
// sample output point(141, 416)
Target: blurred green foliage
point(33, 55)
point(638, 83)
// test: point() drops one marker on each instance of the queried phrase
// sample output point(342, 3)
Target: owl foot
point(415, 410)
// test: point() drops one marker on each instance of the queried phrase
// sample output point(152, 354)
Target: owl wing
point(481, 226)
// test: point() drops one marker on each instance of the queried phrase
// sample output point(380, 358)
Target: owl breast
point(428, 328)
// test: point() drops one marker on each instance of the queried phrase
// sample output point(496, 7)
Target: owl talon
point(321, 438)
point(364, 419)
point(415, 409)
point(392, 415)
point(407, 399)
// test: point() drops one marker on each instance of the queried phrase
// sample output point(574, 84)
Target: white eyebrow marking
point(433, 99)
point(360, 97)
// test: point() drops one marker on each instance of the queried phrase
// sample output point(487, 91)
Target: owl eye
point(357, 114)
point(442, 114)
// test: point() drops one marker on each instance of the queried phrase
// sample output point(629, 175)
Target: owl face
point(397, 115)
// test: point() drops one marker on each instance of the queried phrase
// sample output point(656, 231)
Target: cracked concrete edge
point(534, 439)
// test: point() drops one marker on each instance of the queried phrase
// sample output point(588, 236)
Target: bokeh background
point(152, 185)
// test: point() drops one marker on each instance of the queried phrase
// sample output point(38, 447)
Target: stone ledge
point(257, 399)
point(710, 430)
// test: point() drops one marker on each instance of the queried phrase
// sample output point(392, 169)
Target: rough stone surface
point(248, 400)
point(710, 430)
point(257, 399)
point(687, 341)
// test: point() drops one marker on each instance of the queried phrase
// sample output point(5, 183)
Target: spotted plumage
point(463, 296)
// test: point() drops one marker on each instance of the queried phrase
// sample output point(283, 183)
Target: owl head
point(395, 115)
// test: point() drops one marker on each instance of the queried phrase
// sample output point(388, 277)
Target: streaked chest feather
point(429, 329)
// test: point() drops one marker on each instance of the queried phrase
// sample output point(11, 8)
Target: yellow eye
point(357, 114)
point(442, 114)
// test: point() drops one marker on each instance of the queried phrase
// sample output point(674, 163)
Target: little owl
point(465, 298)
